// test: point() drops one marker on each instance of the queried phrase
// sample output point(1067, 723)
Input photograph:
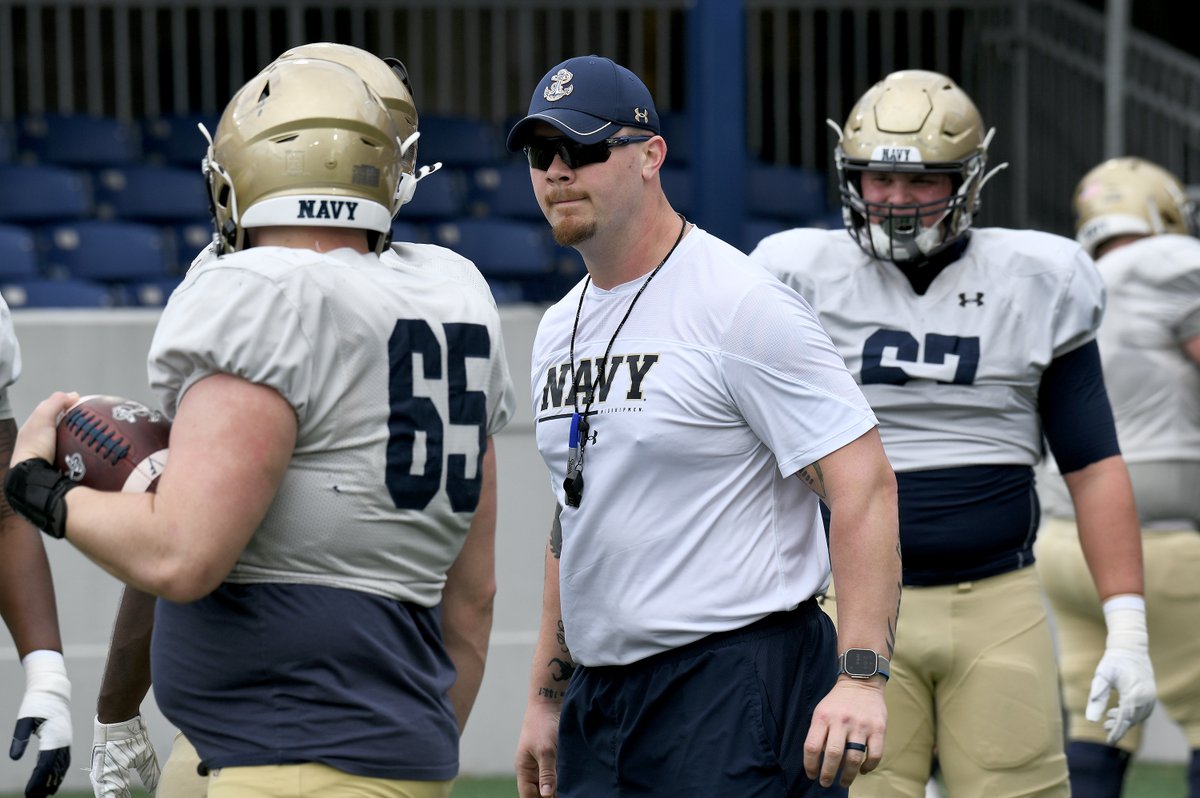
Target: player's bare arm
point(126, 677)
point(1108, 525)
point(860, 490)
point(26, 589)
point(469, 594)
point(537, 749)
point(248, 430)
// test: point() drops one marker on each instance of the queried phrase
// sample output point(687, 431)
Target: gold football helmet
point(912, 121)
point(305, 142)
point(1129, 196)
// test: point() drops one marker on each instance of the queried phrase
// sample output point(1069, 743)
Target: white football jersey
point(397, 373)
point(720, 386)
point(10, 359)
point(1153, 310)
point(952, 374)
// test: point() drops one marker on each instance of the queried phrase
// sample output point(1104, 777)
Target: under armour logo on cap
point(587, 98)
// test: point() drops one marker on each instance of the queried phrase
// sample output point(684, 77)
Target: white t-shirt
point(396, 370)
point(722, 385)
point(953, 374)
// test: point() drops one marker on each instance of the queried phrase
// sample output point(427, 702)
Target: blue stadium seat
point(105, 251)
point(188, 238)
point(458, 141)
point(755, 230)
point(41, 293)
point(79, 140)
point(677, 131)
point(677, 185)
point(501, 248)
point(35, 193)
point(18, 253)
point(785, 192)
point(159, 194)
point(505, 191)
point(176, 140)
point(149, 293)
point(409, 233)
point(439, 197)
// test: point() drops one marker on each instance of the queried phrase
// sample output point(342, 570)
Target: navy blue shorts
point(724, 716)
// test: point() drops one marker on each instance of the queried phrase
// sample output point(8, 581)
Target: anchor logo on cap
point(558, 88)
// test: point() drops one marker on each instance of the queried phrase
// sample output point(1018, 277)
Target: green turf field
point(1144, 781)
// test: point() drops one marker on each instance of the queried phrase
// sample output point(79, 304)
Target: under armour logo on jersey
point(592, 438)
point(641, 114)
point(963, 299)
point(326, 209)
point(558, 87)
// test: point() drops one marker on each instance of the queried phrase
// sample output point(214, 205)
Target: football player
point(1136, 219)
point(28, 608)
point(121, 744)
point(968, 343)
point(324, 532)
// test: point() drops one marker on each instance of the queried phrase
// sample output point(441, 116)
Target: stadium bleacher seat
point(439, 197)
point(677, 185)
point(677, 131)
point(43, 293)
point(175, 139)
point(35, 193)
point(785, 192)
point(755, 230)
point(148, 293)
point(18, 253)
point(79, 140)
point(105, 251)
point(501, 248)
point(505, 191)
point(159, 194)
point(458, 141)
point(407, 232)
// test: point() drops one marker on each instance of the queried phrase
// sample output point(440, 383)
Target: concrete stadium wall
point(104, 352)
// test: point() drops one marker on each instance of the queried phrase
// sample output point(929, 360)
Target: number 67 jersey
point(952, 374)
point(396, 370)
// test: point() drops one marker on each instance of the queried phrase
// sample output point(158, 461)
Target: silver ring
point(856, 747)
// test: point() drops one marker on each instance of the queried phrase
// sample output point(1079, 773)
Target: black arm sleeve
point(1076, 416)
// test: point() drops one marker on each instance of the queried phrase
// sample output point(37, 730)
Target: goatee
point(570, 232)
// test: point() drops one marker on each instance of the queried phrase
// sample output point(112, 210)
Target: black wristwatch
point(863, 663)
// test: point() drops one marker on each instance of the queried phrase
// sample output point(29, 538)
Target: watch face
point(861, 662)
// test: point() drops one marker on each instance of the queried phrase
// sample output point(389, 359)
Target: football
point(111, 443)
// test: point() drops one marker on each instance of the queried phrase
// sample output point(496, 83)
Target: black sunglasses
point(541, 152)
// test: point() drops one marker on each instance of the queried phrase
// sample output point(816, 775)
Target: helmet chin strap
point(408, 182)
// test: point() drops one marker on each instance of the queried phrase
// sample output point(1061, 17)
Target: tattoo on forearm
point(894, 621)
point(563, 670)
point(556, 533)
point(562, 638)
point(814, 478)
point(546, 692)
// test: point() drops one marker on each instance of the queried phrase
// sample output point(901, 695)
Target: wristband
point(36, 490)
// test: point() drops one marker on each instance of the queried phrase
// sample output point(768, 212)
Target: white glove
point(1124, 666)
point(117, 750)
point(45, 711)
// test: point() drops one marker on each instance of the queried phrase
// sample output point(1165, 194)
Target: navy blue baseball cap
point(587, 98)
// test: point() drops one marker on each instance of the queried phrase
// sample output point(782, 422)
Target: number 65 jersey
point(952, 374)
point(396, 371)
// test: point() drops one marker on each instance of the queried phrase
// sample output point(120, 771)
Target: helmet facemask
point(912, 122)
